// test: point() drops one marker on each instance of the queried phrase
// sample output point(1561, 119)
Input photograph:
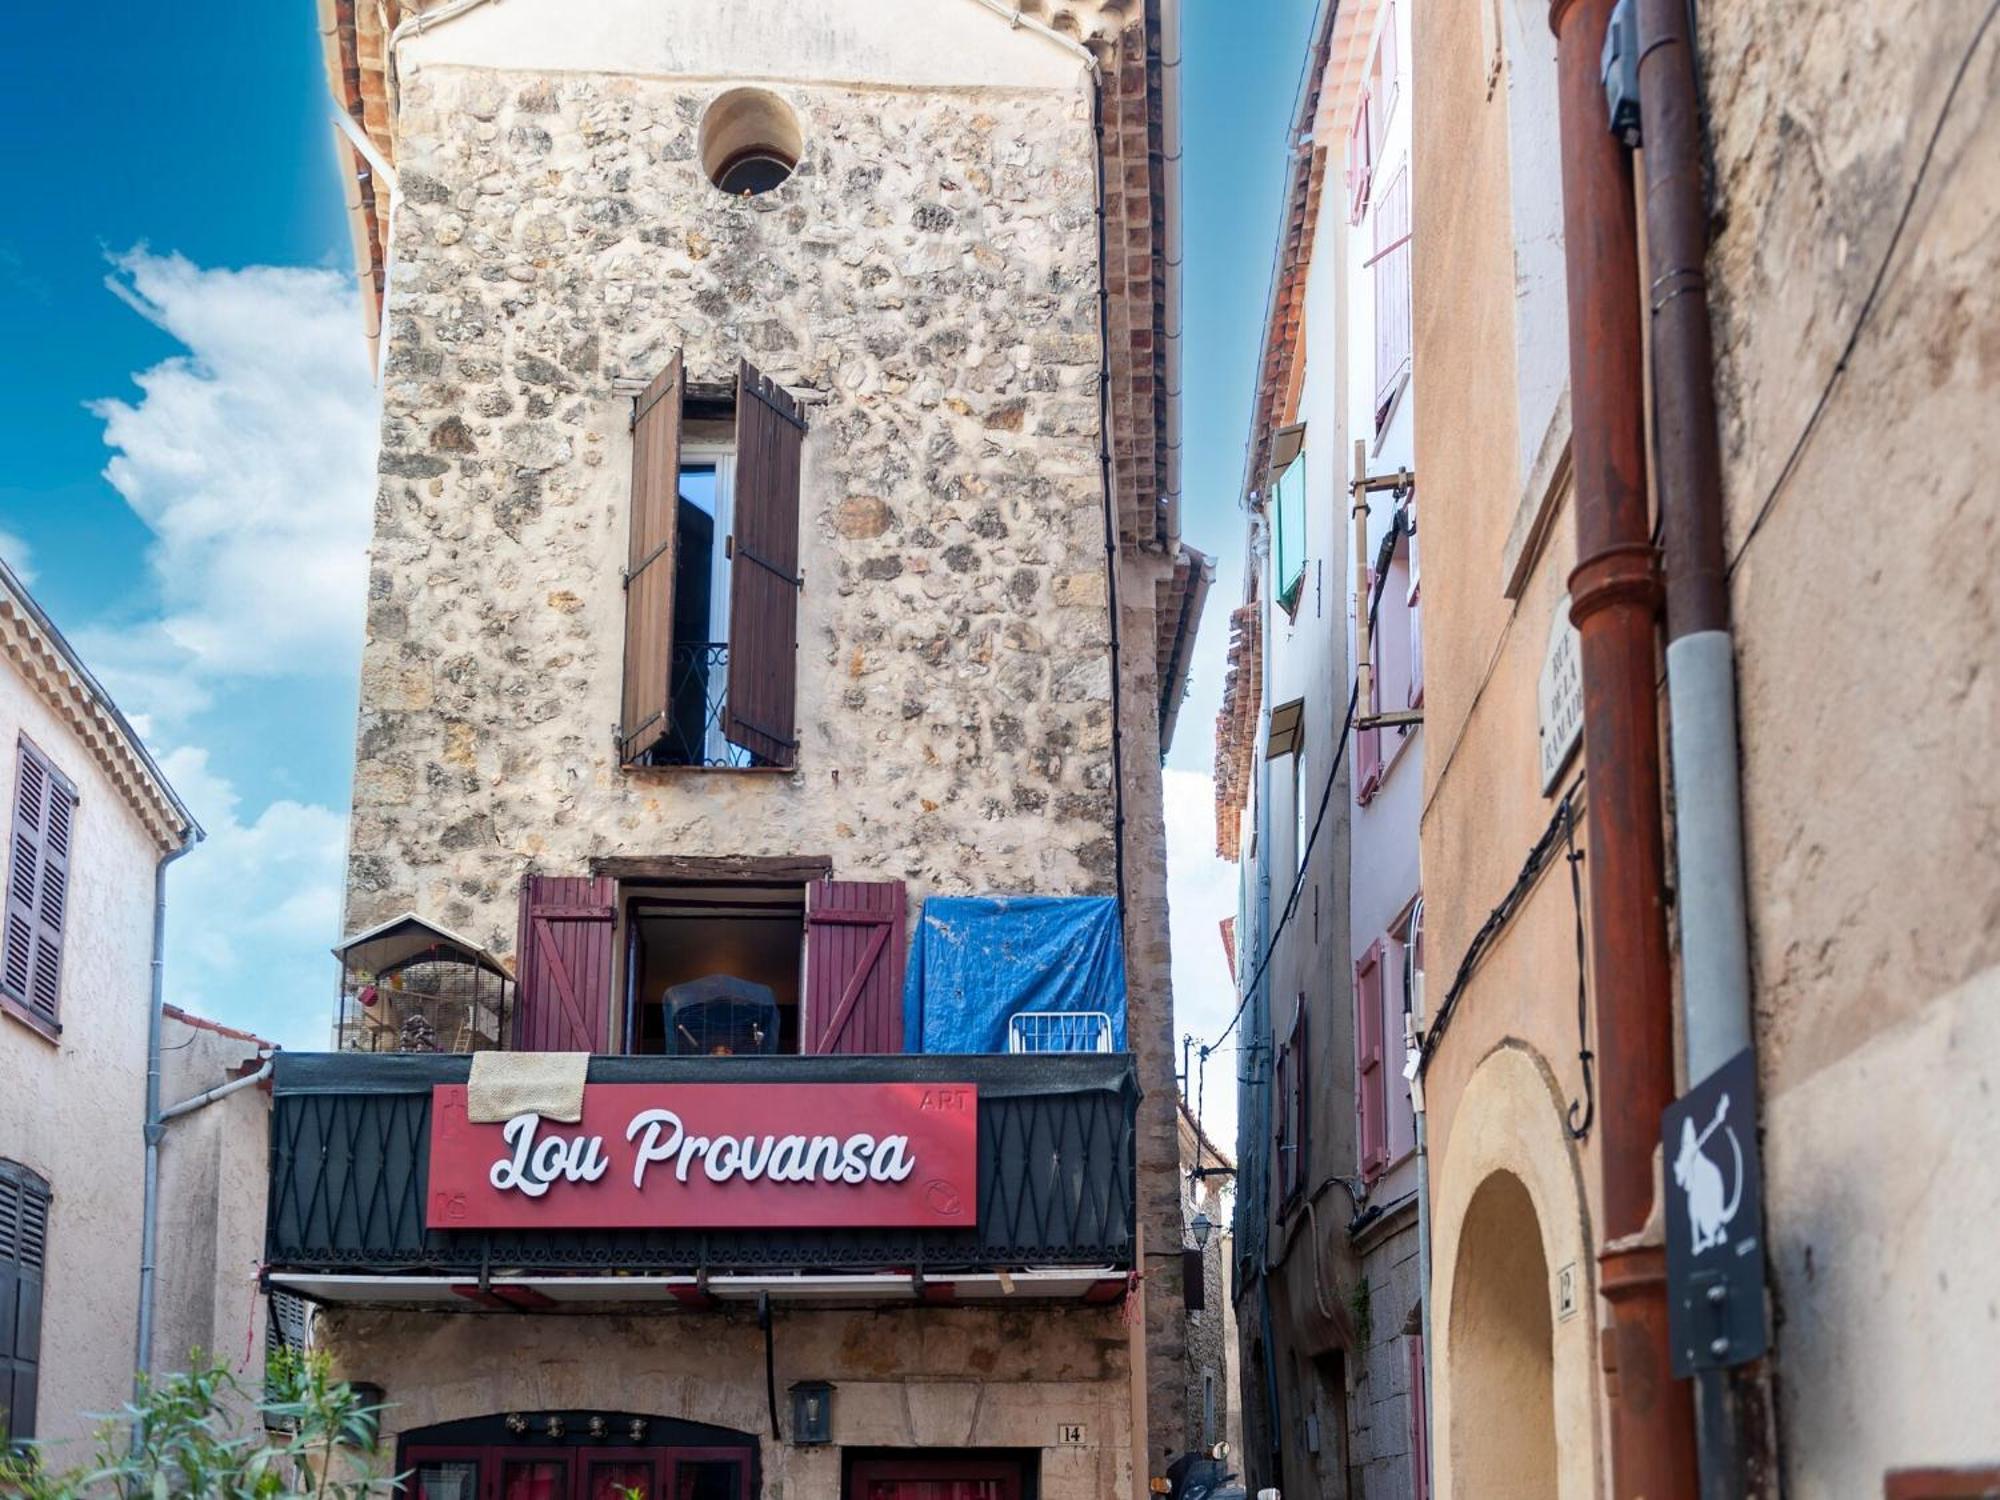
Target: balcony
point(353, 1210)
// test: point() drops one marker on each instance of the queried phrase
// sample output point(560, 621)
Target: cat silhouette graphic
point(1701, 1179)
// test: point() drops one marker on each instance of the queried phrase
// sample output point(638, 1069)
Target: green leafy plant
point(178, 1441)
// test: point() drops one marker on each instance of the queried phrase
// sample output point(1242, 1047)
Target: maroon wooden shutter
point(563, 999)
point(649, 568)
point(24, 1234)
point(37, 885)
point(853, 993)
point(762, 713)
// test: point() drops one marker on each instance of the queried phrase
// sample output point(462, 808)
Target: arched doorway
point(577, 1455)
point(1503, 1423)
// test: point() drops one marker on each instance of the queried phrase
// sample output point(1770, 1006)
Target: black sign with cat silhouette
point(1715, 1235)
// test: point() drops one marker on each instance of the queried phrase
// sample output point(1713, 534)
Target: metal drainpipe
point(1615, 590)
point(1701, 675)
point(1711, 904)
point(155, 1126)
point(1413, 980)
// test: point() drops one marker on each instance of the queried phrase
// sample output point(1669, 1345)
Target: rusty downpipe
point(1615, 593)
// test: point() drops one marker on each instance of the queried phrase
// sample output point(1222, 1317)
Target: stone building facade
point(994, 609)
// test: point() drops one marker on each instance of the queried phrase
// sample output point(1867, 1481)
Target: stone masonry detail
point(926, 283)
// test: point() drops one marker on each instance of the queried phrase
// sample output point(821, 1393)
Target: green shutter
point(1288, 525)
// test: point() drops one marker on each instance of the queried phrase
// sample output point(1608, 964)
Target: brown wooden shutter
point(853, 992)
point(649, 565)
point(764, 572)
point(24, 1234)
point(37, 886)
point(563, 999)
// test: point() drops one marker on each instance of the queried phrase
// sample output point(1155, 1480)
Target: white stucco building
point(91, 819)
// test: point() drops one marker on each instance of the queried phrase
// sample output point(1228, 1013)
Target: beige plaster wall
point(1867, 630)
point(214, 1175)
point(1501, 1082)
point(903, 1377)
point(71, 1109)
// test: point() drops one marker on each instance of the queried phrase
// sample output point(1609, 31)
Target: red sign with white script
point(714, 1156)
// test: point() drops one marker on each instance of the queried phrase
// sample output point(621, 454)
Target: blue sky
point(188, 431)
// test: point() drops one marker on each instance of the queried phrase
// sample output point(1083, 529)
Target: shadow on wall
point(1503, 1425)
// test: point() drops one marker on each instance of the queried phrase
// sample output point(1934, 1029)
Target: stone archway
point(1509, 1219)
point(1503, 1419)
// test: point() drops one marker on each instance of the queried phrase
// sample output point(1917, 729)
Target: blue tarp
point(977, 960)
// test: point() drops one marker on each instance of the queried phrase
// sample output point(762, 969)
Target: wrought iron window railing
point(697, 706)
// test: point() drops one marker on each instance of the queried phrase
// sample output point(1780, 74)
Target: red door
point(935, 1479)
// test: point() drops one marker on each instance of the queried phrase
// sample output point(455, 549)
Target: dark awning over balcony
point(350, 1146)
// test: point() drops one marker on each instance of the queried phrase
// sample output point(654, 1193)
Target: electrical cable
point(1588, 1108)
point(1868, 303)
point(1497, 920)
point(1398, 527)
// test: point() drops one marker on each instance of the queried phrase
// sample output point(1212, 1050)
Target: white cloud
point(251, 458)
point(1201, 892)
point(20, 557)
point(252, 912)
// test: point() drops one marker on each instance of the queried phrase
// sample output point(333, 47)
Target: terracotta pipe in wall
point(1615, 594)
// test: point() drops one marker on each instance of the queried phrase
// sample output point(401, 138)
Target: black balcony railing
point(350, 1146)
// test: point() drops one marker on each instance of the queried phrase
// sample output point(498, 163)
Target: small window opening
point(713, 971)
point(749, 142)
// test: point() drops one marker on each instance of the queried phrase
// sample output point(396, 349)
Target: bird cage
point(409, 985)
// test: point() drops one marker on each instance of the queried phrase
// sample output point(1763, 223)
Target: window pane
point(697, 486)
point(545, 1480)
point(708, 1479)
point(451, 1479)
point(630, 1480)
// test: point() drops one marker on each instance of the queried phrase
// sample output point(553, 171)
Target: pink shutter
point(1388, 63)
point(1289, 1097)
point(1400, 1131)
point(1416, 645)
point(1359, 163)
point(1370, 1094)
point(854, 967)
point(1391, 264)
point(563, 999)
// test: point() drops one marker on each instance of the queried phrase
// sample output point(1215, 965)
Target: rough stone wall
point(1379, 1460)
point(1867, 630)
point(903, 1377)
point(927, 281)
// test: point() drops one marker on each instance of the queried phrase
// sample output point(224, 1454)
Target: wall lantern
point(812, 1413)
point(1202, 1226)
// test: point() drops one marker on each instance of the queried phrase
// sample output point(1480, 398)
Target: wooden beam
point(697, 869)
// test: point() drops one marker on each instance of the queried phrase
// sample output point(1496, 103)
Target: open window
point(714, 958)
point(1288, 516)
point(712, 574)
